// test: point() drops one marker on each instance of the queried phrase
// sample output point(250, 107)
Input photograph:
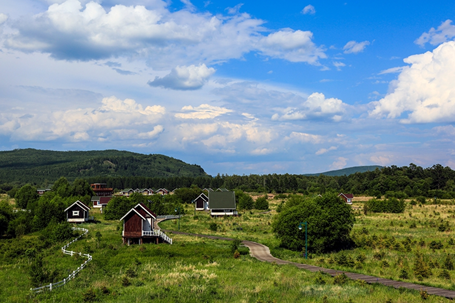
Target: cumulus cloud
point(184, 77)
point(353, 47)
point(316, 106)
point(309, 9)
point(294, 46)
point(338, 65)
point(72, 30)
point(339, 163)
point(424, 90)
point(114, 118)
point(203, 111)
point(234, 10)
point(444, 33)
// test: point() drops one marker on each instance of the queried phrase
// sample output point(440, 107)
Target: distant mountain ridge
point(36, 166)
point(347, 171)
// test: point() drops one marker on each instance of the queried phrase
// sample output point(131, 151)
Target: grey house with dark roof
point(222, 203)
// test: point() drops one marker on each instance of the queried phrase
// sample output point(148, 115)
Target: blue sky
point(237, 87)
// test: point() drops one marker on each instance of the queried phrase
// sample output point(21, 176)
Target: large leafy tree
point(329, 218)
point(27, 194)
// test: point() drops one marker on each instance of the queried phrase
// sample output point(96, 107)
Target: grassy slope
point(31, 165)
point(193, 269)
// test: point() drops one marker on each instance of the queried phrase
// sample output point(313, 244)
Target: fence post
point(50, 287)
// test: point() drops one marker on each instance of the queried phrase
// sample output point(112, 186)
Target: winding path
point(262, 253)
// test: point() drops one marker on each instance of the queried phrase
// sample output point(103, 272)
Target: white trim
point(80, 204)
point(133, 209)
point(145, 210)
point(75, 213)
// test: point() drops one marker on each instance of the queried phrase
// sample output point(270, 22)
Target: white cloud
point(339, 163)
point(234, 10)
point(316, 106)
point(338, 65)
point(424, 90)
point(261, 151)
point(353, 47)
point(196, 132)
point(294, 46)
point(447, 130)
point(444, 33)
point(203, 111)
point(114, 118)
point(325, 150)
point(304, 138)
point(309, 9)
point(392, 70)
point(3, 18)
point(72, 30)
point(184, 77)
point(381, 160)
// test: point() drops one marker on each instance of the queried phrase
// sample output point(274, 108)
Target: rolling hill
point(36, 166)
point(347, 171)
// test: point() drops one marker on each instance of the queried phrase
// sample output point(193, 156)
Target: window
point(75, 213)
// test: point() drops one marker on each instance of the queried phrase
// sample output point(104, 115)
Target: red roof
point(348, 196)
point(147, 209)
point(105, 200)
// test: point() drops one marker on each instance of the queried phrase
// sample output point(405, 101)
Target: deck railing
point(157, 233)
point(51, 286)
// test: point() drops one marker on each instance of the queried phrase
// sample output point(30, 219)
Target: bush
point(262, 203)
point(246, 202)
point(213, 227)
point(403, 274)
point(391, 205)
point(329, 218)
point(340, 279)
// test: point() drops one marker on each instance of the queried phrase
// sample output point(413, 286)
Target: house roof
point(151, 213)
point(105, 200)
point(203, 196)
point(80, 204)
point(132, 210)
point(222, 199)
point(347, 196)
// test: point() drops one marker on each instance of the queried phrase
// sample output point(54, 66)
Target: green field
point(202, 270)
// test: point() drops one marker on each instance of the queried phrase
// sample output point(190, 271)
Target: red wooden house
point(77, 212)
point(347, 197)
point(101, 189)
point(100, 202)
point(139, 227)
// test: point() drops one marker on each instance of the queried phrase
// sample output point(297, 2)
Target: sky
point(253, 87)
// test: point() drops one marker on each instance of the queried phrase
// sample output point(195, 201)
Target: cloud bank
point(424, 91)
point(184, 78)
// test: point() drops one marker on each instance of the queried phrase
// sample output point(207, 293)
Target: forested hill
point(347, 171)
point(36, 166)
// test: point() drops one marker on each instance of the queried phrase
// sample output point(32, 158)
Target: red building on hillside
point(101, 189)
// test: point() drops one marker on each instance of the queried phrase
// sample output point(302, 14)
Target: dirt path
point(262, 253)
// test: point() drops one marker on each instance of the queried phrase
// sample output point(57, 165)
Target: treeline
point(399, 182)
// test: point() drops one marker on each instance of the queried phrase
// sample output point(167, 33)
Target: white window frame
point(75, 213)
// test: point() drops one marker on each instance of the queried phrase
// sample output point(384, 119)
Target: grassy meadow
point(202, 270)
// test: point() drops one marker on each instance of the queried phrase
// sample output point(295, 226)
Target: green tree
point(62, 187)
point(81, 188)
point(246, 202)
point(329, 218)
point(262, 203)
point(6, 213)
point(27, 194)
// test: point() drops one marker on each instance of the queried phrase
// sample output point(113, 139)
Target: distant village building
point(222, 203)
point(41, 191)
point(101, 189)
point(201, 202)
point(100, 202)
point(347, 197)
point(77, 212)
point(139, 227)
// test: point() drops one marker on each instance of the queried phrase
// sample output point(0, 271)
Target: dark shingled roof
point(222, 200)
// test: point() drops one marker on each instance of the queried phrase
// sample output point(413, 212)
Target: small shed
point(201, 202)
point(347, 197)
point(139, 226)
point(222, 203)
point(77, 212)
point(100, 202)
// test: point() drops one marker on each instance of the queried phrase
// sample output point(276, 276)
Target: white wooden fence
point(51, 286)
point(157, 233)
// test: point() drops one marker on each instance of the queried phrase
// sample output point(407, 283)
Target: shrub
point(235, 245)
point(403, 274)
point(89, 296)
point(436, 244)
point(236, 254)
point(262, 203)
point(213, 226)
point(340, 279)
point(421, 268)
point(444, 274)
point(421, 199)
point(448, 264)
point(126, 282)
point(390, 205)
point(246, 202)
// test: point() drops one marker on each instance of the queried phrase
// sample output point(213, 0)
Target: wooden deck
point(262, 253)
